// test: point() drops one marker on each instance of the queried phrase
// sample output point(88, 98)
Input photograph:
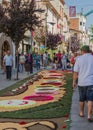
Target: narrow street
point(50, 44)
point(75, 121)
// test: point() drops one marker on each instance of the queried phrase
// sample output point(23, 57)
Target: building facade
point(56, 17)
point(5, 44)
point(79, 23)
point(78, 32)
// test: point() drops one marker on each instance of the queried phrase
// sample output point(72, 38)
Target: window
point(83, 24)
point(80, 23)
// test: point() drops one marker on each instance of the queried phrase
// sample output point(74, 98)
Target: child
point(54, 66)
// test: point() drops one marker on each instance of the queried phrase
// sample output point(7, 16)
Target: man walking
point(83, 70)
point(8, 62)
point(45, 59)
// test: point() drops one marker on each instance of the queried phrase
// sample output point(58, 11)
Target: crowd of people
point(60, 61)
point(26, 62)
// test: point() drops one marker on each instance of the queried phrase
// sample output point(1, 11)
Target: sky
point(86, 5)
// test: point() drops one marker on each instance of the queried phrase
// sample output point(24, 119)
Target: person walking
point(45, 60)
point(59, 57)
point(83, 70)
point(54, 61)
point(73, 59)
point(64, 61)
point(21, 62)
point(8, 63)
point(37, 58)
point(29, 63)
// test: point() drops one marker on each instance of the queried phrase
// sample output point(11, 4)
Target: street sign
point(42, 46)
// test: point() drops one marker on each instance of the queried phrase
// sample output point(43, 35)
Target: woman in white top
point(21, 62)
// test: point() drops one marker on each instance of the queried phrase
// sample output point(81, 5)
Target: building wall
point(58, 13)
point(55, 14)
point(79, 23)
point(74, 41)
point(82, 22)
point(3, 38)
point(74, 23)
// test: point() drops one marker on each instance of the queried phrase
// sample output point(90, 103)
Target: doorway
point(4, 49)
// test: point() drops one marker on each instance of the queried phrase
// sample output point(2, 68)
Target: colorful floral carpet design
point(48, 89)
point(25, 126)
point(50, 124)
point(38, 98)
point(16, 103)
point(32, 93)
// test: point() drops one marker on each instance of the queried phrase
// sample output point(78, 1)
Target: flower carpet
point(43, 92)
point(32, 93)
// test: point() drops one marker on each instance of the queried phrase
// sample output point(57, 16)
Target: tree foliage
point(53, 40)
point(91, 35)
point(74, 44)
point(18, 17)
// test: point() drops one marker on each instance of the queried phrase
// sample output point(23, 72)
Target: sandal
point(90, 119)
point(81, 115)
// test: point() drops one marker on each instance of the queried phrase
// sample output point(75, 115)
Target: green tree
point(18, 17)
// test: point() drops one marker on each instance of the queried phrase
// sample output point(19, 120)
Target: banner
point(72, 11)
point(32, 33)
point(63, 38)
point(58, 26)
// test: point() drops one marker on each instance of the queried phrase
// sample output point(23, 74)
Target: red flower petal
point(66, 115)
point(64, 126)
point(22, 123)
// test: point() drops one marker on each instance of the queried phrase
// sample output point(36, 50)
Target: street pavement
point(78, 123)
point(4, 83)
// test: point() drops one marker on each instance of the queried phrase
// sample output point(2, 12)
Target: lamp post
point(46, 26)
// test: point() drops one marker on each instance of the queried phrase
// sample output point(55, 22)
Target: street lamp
point(46, 26)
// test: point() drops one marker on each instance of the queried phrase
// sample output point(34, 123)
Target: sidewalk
point(78, 123)
point(4, 83)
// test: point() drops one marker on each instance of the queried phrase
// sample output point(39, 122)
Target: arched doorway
point(4, 49)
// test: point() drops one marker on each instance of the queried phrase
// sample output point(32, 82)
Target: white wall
point(83, 26)
point(52, 17)
point(49, 19)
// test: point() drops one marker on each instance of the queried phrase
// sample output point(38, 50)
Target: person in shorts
point(83, 70)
